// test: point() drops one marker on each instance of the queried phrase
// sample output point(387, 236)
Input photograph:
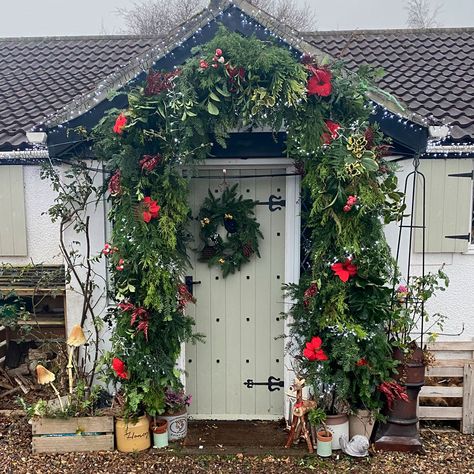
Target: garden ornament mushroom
point(44, 377)
point(76, 338)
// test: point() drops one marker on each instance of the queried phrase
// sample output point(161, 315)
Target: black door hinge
point(272, 383)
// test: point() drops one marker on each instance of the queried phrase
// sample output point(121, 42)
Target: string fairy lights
point(185, 37)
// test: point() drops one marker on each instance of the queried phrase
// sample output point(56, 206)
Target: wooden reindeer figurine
point(299, 424)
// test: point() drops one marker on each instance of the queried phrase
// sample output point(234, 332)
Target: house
point(53, 85)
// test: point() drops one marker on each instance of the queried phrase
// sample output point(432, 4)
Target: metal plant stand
point(400, 432)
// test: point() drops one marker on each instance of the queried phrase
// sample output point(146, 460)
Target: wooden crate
point(453, 359)
point(54, 435)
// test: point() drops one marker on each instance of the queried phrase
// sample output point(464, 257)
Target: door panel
point(239, 315)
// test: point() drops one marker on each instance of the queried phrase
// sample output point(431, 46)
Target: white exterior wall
point(43, 247)
point(457, 302)
point(42, 235)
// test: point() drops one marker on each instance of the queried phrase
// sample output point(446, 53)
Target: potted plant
point(73, 422)
point(320, 432)
point(159, 428)
point(409, 319)
point(176, 402)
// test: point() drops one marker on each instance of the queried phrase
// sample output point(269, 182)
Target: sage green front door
point(240, 315)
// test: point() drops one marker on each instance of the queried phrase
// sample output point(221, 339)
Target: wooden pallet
point(453, 359)
point(54, 435)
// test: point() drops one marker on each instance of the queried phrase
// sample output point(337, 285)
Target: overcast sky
point(89, 17)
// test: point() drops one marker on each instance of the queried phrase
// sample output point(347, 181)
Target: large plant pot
point(177, 425)
point(338, 425)
point(132, 436)
point(400, 432)
point(361, 423)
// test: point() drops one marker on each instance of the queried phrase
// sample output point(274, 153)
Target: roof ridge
point(390, 31)
point(27, 39)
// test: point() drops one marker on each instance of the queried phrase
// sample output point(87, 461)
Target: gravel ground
point(445, 453)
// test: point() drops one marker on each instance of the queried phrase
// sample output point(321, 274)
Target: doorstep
point(252, 438)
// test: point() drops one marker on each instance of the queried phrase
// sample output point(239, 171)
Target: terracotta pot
point(160, 433)
point(324, 444)
point(361, 423)
point(338, 425)
point(132, 436)
point(177, 425)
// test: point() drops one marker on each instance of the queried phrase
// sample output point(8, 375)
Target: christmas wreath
point(237, 217)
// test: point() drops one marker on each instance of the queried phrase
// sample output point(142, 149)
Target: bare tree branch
point(157, 17)
point(422, 14)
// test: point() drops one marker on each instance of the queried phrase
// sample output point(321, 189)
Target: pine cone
point(247, 250)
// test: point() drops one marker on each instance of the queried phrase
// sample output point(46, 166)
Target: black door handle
point(189, 282)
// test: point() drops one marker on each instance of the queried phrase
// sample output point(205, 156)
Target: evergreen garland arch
point(172, 121)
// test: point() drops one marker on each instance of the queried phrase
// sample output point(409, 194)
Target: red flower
point(149, 162)
point(120, 124)
point(119, 368)
point(333, 128)
point(109, 250)
point(361, 362)
point(344, 270)
point(121, 265)
point(313, 350)
point(203, 64)
point(320, 82)
point(218, 52)
point(115, 187)
point(151, 209)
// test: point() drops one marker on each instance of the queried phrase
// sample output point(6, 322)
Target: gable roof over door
point(430, 70)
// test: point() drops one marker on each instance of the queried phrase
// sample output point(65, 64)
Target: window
point(12, 212)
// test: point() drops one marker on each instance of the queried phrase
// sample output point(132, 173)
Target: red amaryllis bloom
point(119, 368)
point(151, 209)
point(149, 162)
point(332, 133)
point(115, 186)
point(344, 270)
point(120, 124)
point(361, 362)
point(313, 350)
point(320, 82)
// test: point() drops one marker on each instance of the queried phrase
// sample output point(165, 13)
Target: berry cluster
point(351, 201)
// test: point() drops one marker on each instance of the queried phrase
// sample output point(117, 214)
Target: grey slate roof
point(40, 75)
point(431, 70)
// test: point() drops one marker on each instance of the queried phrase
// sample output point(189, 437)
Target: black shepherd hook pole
point(418, 194)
